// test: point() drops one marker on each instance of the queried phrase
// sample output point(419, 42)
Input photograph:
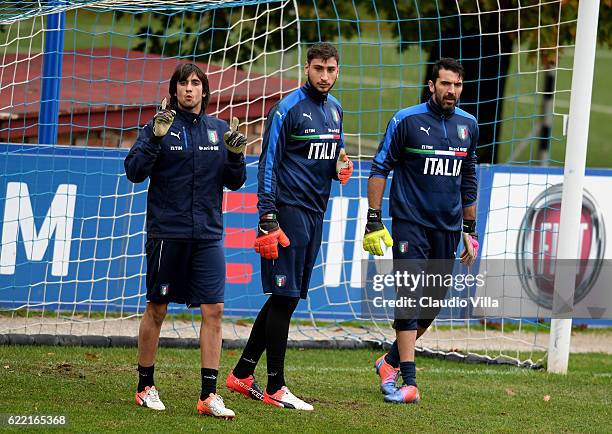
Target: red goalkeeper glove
point(269, 236)
point(344, 167)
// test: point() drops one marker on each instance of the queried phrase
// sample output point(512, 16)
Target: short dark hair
point(449, 64)
point(323, 51)
point(182, 73)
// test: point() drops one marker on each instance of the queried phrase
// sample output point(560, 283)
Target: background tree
point(483, 35)
point(219, 30)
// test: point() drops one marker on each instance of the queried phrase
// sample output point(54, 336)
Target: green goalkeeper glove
point(375, 231)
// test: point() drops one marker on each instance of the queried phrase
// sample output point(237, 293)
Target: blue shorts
point(289, 275)
point(431, 251)
point(185, 271)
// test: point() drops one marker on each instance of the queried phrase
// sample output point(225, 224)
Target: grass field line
point(383, 83)
point(600, 108)
point(390, 84)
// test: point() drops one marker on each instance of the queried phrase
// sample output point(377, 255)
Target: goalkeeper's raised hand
point(234, 140)
point(163, 120)
point(470, 243)
point(375, 231)
point(269, 236)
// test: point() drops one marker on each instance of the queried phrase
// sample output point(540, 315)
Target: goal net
point(79, 77)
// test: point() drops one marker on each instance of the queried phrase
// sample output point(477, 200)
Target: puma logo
point(307, 115)
point(426, 130)
point(177, 135)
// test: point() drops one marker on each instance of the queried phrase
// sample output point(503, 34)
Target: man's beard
point(441, 102)
point(314, 87)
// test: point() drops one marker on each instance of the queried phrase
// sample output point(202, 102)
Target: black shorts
point(185, 271)
point(422, 249)
point(289, 275)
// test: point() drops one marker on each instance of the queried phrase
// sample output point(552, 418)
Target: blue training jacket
point(301, 144)
point(433, 155)
point(188, 169)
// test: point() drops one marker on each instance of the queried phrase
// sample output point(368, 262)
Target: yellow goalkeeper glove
point(375, 231)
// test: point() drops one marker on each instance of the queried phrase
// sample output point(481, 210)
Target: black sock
point(392, 356)
point(246, 365)
point(145, 377)
point(209, 382)
point(277, 332)
point(408, 370)
point(255, 345)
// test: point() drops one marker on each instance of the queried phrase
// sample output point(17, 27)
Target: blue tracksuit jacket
point(301, 143)
point(188, 169)
point(433, 155)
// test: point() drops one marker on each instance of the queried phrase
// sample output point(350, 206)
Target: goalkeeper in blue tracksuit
point(189, 157)
point(302, 151)
point(431, 148)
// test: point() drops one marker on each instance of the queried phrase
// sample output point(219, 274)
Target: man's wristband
point(469, 226)
point(268, 216)
point(374, 215)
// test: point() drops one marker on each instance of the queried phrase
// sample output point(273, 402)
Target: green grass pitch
point(94, 388)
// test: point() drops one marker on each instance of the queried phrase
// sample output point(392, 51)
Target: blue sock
point(408, 370)
point(392, 356)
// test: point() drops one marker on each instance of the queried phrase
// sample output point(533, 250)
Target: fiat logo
point(538, 241)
